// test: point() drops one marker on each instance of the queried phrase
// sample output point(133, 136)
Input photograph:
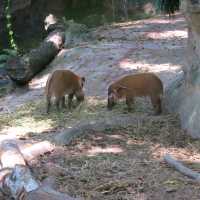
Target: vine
point(9, 27)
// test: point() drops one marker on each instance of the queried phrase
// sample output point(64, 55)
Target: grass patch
point(114, 164)
point(32, 117)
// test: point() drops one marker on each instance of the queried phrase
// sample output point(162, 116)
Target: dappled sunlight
point(164, 20)
point(161, 20)
point(38, 83)
point(135, 142)
point(24, 121)
point(187, 153)
point(11, 158)
point(180, 34)
point(131, 25)
point(99, 150)
point(27, 125)
point(115, 136)
point(126, 158)
point(128, 64)
point(31, 151)
point(115, 51)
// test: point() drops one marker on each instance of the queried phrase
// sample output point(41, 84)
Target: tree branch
point(181, 168)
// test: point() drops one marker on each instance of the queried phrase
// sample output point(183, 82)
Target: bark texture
point(16, 179)
point(181, 168)
point(22, 69)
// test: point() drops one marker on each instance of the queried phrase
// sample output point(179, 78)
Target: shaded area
point(125, 163)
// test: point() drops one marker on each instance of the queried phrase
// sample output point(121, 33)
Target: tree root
point(181, 168)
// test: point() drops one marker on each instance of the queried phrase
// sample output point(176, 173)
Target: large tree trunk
point(16, 180)
point(22, 69)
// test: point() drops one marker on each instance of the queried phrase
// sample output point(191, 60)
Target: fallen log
point(16, 180)
point(35, 150)
point(181, 168)
point(60, 34)
point(22, 69)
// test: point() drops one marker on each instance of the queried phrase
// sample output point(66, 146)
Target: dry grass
point(124, 164)
point(32, 120)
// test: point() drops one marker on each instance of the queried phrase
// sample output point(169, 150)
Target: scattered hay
point(135, 172)
point(114, 164)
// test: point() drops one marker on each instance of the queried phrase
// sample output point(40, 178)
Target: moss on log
point(22, 69)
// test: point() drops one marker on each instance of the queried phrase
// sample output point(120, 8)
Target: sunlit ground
point(32, 117)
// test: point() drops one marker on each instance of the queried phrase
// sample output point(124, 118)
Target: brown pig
point(61, 83)
point(137, 85)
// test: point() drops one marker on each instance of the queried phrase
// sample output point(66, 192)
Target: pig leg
point(156, 102)
point(48, 104)
point(57, 101)
point(159, 106)
point(129, 103)
point(63, 102)
point(70, 98)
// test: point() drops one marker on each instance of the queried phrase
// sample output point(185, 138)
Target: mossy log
point(22, 69)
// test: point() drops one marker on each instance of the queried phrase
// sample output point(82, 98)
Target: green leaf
point(8, 16)
point(10, 32)
point(8, 25)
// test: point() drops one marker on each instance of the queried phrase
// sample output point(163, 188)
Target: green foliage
point(3, 58)
point(10, 52)
point(9, 27)
point(5, 54)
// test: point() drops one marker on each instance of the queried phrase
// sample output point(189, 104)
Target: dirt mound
point(155, 45)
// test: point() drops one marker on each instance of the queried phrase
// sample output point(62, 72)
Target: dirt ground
point(156, 45)
point(126, 164)
point(123, 164)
